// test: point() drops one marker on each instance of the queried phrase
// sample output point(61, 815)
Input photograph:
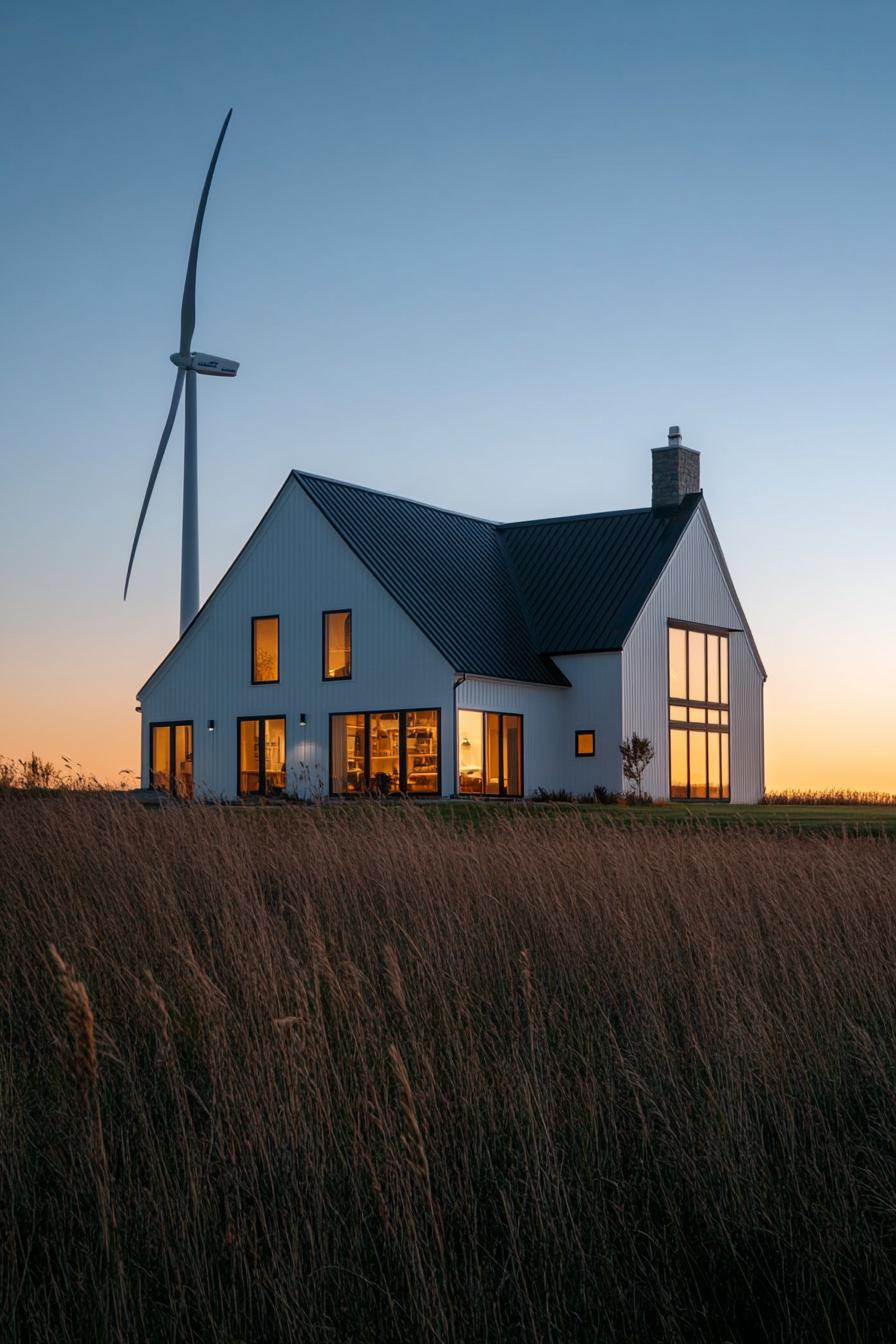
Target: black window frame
point(340, 611)
point(262, 772)
point(172, 724)
point(580, 732)
point(684, 703)
point(402, 749)
point(502, 715)
point(266, 681)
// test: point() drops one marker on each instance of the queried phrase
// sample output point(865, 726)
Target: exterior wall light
point(211, 725)
point(303, 721)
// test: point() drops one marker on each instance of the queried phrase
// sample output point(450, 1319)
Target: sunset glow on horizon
point(478, 260)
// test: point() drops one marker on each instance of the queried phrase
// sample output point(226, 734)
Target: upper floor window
point(337, 645)
point(585, 742)
point(699, 754)
point(265, 648)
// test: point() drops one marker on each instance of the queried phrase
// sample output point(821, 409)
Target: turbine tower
point(189, 363)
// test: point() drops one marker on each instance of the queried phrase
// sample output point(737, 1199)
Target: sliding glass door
point(262, 756)
point(490, 753)
point(171, 758)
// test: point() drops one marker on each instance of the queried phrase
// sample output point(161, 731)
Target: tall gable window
point(265, 648)
point(699, 757)
point(337, 645)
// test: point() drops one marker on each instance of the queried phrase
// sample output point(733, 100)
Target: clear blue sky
point(478, 254)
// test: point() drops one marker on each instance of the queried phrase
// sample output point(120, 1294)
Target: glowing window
point(698, 726)
point(385, 752)
point(337, 645)
point(470, 758)
point(512, 755)
point(696, 665)
point(678, 754)
point(489, 753)
point(585, 742)
point(262, 756)
point(265, 648)
point(678, 663)
point(171, 758)
point(421, 735)
point(348, 753)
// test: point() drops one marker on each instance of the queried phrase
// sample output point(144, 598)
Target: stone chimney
point(676, 472)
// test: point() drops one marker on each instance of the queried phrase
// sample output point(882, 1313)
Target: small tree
point(637, 753)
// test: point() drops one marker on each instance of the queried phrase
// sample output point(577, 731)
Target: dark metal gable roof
point(585, 579)
point(449, 572)
point(497, 599)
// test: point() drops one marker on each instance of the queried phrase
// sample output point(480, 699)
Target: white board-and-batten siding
point(296, 566)
point(693, 587)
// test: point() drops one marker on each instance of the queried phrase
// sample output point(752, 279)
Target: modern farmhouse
point(361, 642)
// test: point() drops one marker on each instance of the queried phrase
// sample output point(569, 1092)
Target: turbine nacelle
point(195, 362)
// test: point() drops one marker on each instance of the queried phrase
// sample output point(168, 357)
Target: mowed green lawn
point(838, 820)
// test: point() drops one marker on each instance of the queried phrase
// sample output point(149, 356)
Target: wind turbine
point(189, 363)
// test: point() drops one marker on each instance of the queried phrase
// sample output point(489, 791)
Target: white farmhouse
point(362, 642)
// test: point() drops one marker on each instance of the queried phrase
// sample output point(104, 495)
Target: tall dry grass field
point(367, 1074)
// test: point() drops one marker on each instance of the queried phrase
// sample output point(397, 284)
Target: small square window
point(585, 742)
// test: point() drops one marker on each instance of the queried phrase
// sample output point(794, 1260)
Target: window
point(385, 752)
point(585, 742)
point(337, 645)
point(490, 753)
point(171, 758)
point(262, 756)
point(265, 648)
point(698, 713)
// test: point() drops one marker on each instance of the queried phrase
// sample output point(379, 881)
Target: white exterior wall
point(542, 708)
point(693, 588)
point(593, 701)
point(551, 716)
point(296, 566)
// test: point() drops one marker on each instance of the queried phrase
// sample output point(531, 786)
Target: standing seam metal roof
point(497, 599)
point(585, 579)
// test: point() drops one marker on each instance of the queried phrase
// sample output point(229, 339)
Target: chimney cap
point(674, 435)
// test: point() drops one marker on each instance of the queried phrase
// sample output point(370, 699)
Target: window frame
point(590, 732)
point(172, 725)
point(682, 723)
point(266, 681)
point(367, 714)
point(260, 719)
point(501, 716)
point(340, 611)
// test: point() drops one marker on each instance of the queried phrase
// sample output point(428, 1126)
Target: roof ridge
point(603, 513)
point(570, 518)
point(389, 494)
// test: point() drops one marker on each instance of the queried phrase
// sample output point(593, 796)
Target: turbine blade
point(163, 444)
point(188, 306)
